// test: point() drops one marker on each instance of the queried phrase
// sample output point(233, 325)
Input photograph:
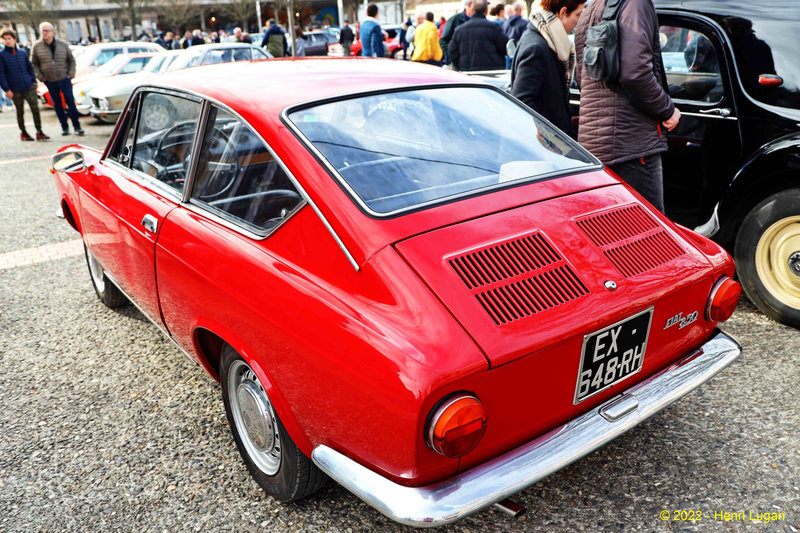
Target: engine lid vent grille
point(518, 278)
point(632, 240)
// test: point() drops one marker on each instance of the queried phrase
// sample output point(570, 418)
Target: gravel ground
point(107, 426)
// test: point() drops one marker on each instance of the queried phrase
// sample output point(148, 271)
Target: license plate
point(612, 354)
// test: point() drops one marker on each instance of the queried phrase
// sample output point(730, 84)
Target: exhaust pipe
point(510, 508)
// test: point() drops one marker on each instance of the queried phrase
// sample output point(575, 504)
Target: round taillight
point(723, 300)
point(457, 425)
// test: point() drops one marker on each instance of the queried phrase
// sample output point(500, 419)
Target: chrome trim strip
point(702, 115)
point(466, 493)
point(156, 324)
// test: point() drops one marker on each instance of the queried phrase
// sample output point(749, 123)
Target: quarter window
point(692, 65)
point(239, 179)
point(164, 138)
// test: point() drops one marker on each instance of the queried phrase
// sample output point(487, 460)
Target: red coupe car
point(435, 316)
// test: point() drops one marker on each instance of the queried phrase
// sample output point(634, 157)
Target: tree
point(133, 12)
point(176, 15)
point(33, 12)
point(242, 11)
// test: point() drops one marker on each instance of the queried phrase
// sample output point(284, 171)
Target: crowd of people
point(622, 122)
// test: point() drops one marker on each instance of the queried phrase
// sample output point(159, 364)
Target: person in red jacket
point(18, 82)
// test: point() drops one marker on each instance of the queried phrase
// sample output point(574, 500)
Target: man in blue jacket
point(371, 34)
point(19, 83)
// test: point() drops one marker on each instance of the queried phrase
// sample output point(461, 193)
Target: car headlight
point(103, 103)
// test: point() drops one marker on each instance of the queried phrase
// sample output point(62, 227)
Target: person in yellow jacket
point(426, 43)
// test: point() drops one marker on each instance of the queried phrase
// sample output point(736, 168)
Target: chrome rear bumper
point(499, 478)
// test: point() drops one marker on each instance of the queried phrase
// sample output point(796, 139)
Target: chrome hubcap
point(97, 272)
point(254, 417)
point(794, 263)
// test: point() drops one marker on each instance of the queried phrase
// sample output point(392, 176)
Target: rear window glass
point(402, 150)
point(768, 46)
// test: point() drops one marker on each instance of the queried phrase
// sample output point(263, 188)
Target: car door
point(134, 187)
point(706, 145)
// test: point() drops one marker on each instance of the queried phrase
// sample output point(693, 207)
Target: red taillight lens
point(457, 425)
point(723, 300)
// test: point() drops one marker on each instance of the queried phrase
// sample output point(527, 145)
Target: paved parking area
point(106, 426)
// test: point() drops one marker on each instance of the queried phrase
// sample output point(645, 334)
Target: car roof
point(290, 81)
point(755, 9)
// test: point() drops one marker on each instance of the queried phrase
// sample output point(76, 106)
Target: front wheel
point(271, 456)
point(768, 256)
point(108, 293)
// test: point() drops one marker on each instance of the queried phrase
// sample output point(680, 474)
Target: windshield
point(400, 150)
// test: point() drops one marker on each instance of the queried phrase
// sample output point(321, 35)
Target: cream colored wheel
point(768, 256)
point(778, 260)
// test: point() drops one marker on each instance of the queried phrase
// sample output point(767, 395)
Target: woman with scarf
point(544, 60)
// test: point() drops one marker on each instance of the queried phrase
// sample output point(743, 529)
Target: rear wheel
point(768, 256)
point(271, 456)
point(108, 293)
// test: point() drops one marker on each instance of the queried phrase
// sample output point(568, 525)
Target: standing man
point(426, 42)
point(54, 65)
point(478, 44)
point(624, 125)
point(515, 25)
point(371, 34)
point(346, 38)
point(452, 24)
point(275, 40)
point(19, 83)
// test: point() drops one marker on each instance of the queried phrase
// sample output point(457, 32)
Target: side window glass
point(106, 55)
point(239, 179)
point(692, 65)
point(241, 54)
point(165, 134)
point(134, 65)
point(123, 147)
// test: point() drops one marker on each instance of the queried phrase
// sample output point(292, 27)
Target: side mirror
point(71, 161)
point(511, 47)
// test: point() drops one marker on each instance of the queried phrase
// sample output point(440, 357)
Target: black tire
point(767, 256)
point(108, 293)
point(277, 465)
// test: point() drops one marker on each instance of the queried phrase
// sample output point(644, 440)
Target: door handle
point(150, 223)
point(719, 111)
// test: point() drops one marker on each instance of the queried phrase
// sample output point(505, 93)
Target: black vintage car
point(733, 167)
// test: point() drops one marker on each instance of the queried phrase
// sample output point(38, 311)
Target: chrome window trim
point(356, 198)
point(300, 189)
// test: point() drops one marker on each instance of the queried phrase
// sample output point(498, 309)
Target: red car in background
point(435, 316)
point(391, 44)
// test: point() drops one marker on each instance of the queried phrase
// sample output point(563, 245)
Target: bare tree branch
point(33, 12)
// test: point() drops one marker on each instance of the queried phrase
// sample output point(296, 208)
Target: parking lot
point(107, 426)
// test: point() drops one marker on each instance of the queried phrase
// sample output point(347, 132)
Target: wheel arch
point(771, 169)
point(208, 344)
point(69, 215)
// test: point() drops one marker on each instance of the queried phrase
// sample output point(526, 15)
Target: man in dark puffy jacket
point(18, 82)
point(514, 26)
point(452, 25)
point(625, 126)
point(478, 44)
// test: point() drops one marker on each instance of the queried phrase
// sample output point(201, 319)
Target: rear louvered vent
point(631, 239)
point(518, 278)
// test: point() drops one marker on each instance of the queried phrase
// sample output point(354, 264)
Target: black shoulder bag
point(601, 50)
